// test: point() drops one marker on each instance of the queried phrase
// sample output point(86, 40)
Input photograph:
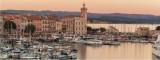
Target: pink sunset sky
point(95, 6)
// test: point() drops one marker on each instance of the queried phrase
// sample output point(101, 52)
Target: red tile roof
point(71, 16)
point(11, 16)
point(52, 17)
point(31, 16)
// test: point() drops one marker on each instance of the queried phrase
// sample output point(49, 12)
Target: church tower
point(84, 11)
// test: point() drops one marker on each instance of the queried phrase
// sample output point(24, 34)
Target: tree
point(9, 25)
point(30, 28)
point(158, 28)
point(102, 29)
point(89, 30)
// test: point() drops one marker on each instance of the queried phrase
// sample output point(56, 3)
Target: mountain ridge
point(111, 17)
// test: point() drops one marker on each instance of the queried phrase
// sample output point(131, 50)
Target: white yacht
point(3, 55)
point(135, 41)
point(29, 56)
point(156, 47)
point(94, 42)
point(144, 41)
point(111, 43)
point(77, 40)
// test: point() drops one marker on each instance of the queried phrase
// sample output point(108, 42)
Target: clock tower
point(84, 11)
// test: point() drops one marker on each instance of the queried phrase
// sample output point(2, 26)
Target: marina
point(89, 49)
point(100, 30)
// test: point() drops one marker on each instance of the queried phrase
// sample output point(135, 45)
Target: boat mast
point(8, 29)
point(30, 33)
point(11, 36)
point(11, 29)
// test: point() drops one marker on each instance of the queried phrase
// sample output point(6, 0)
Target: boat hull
point(156, 53)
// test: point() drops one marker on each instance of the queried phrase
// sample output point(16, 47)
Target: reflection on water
point(125, 51)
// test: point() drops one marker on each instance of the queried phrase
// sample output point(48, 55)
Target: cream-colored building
point(35, 20)
point(51, 23)
point(76, 24)
point(23, 24)
point(45, 25)
point(58, 25)
point(142, 31)
point(124, 27)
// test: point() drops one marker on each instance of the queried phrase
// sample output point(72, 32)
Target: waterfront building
point(17, 20)
point(142, 31)
point(154, 32)
point(35, 20)
point(51, 23)
point(45, 25)
point(124, 27)
point(14, 18)
point(58, 26)
point(76, 24)
point(23, 24)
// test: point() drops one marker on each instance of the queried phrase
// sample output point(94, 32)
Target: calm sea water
point(125, 51)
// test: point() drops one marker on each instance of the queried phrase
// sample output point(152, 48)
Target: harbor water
point(125, 51)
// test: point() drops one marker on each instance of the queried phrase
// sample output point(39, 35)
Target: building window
point(76, 28)
point(18, 25)
point(76, 23)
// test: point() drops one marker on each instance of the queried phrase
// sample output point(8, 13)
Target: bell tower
point(84, 11)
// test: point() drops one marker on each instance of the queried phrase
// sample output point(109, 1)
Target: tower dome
point(84, 11)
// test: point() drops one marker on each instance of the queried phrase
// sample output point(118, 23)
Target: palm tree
point(9, 25)
point(102, 29)
point(158, 28)
point(89, 30)
point(30, 28)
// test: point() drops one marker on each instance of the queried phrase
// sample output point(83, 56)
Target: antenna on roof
point(84, 3)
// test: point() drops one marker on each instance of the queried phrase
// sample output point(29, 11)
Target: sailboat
point(156, 47)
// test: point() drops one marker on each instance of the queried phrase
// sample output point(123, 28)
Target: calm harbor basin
point(125, 51)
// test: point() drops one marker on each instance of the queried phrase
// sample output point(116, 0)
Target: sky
point(94, 6)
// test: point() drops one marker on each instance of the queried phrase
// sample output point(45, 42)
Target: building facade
point(15, 18)
point(76, 24)
point(58, 26)
point(34, 20)
point(143, 31)
point(51, 23)
point(124, 27)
